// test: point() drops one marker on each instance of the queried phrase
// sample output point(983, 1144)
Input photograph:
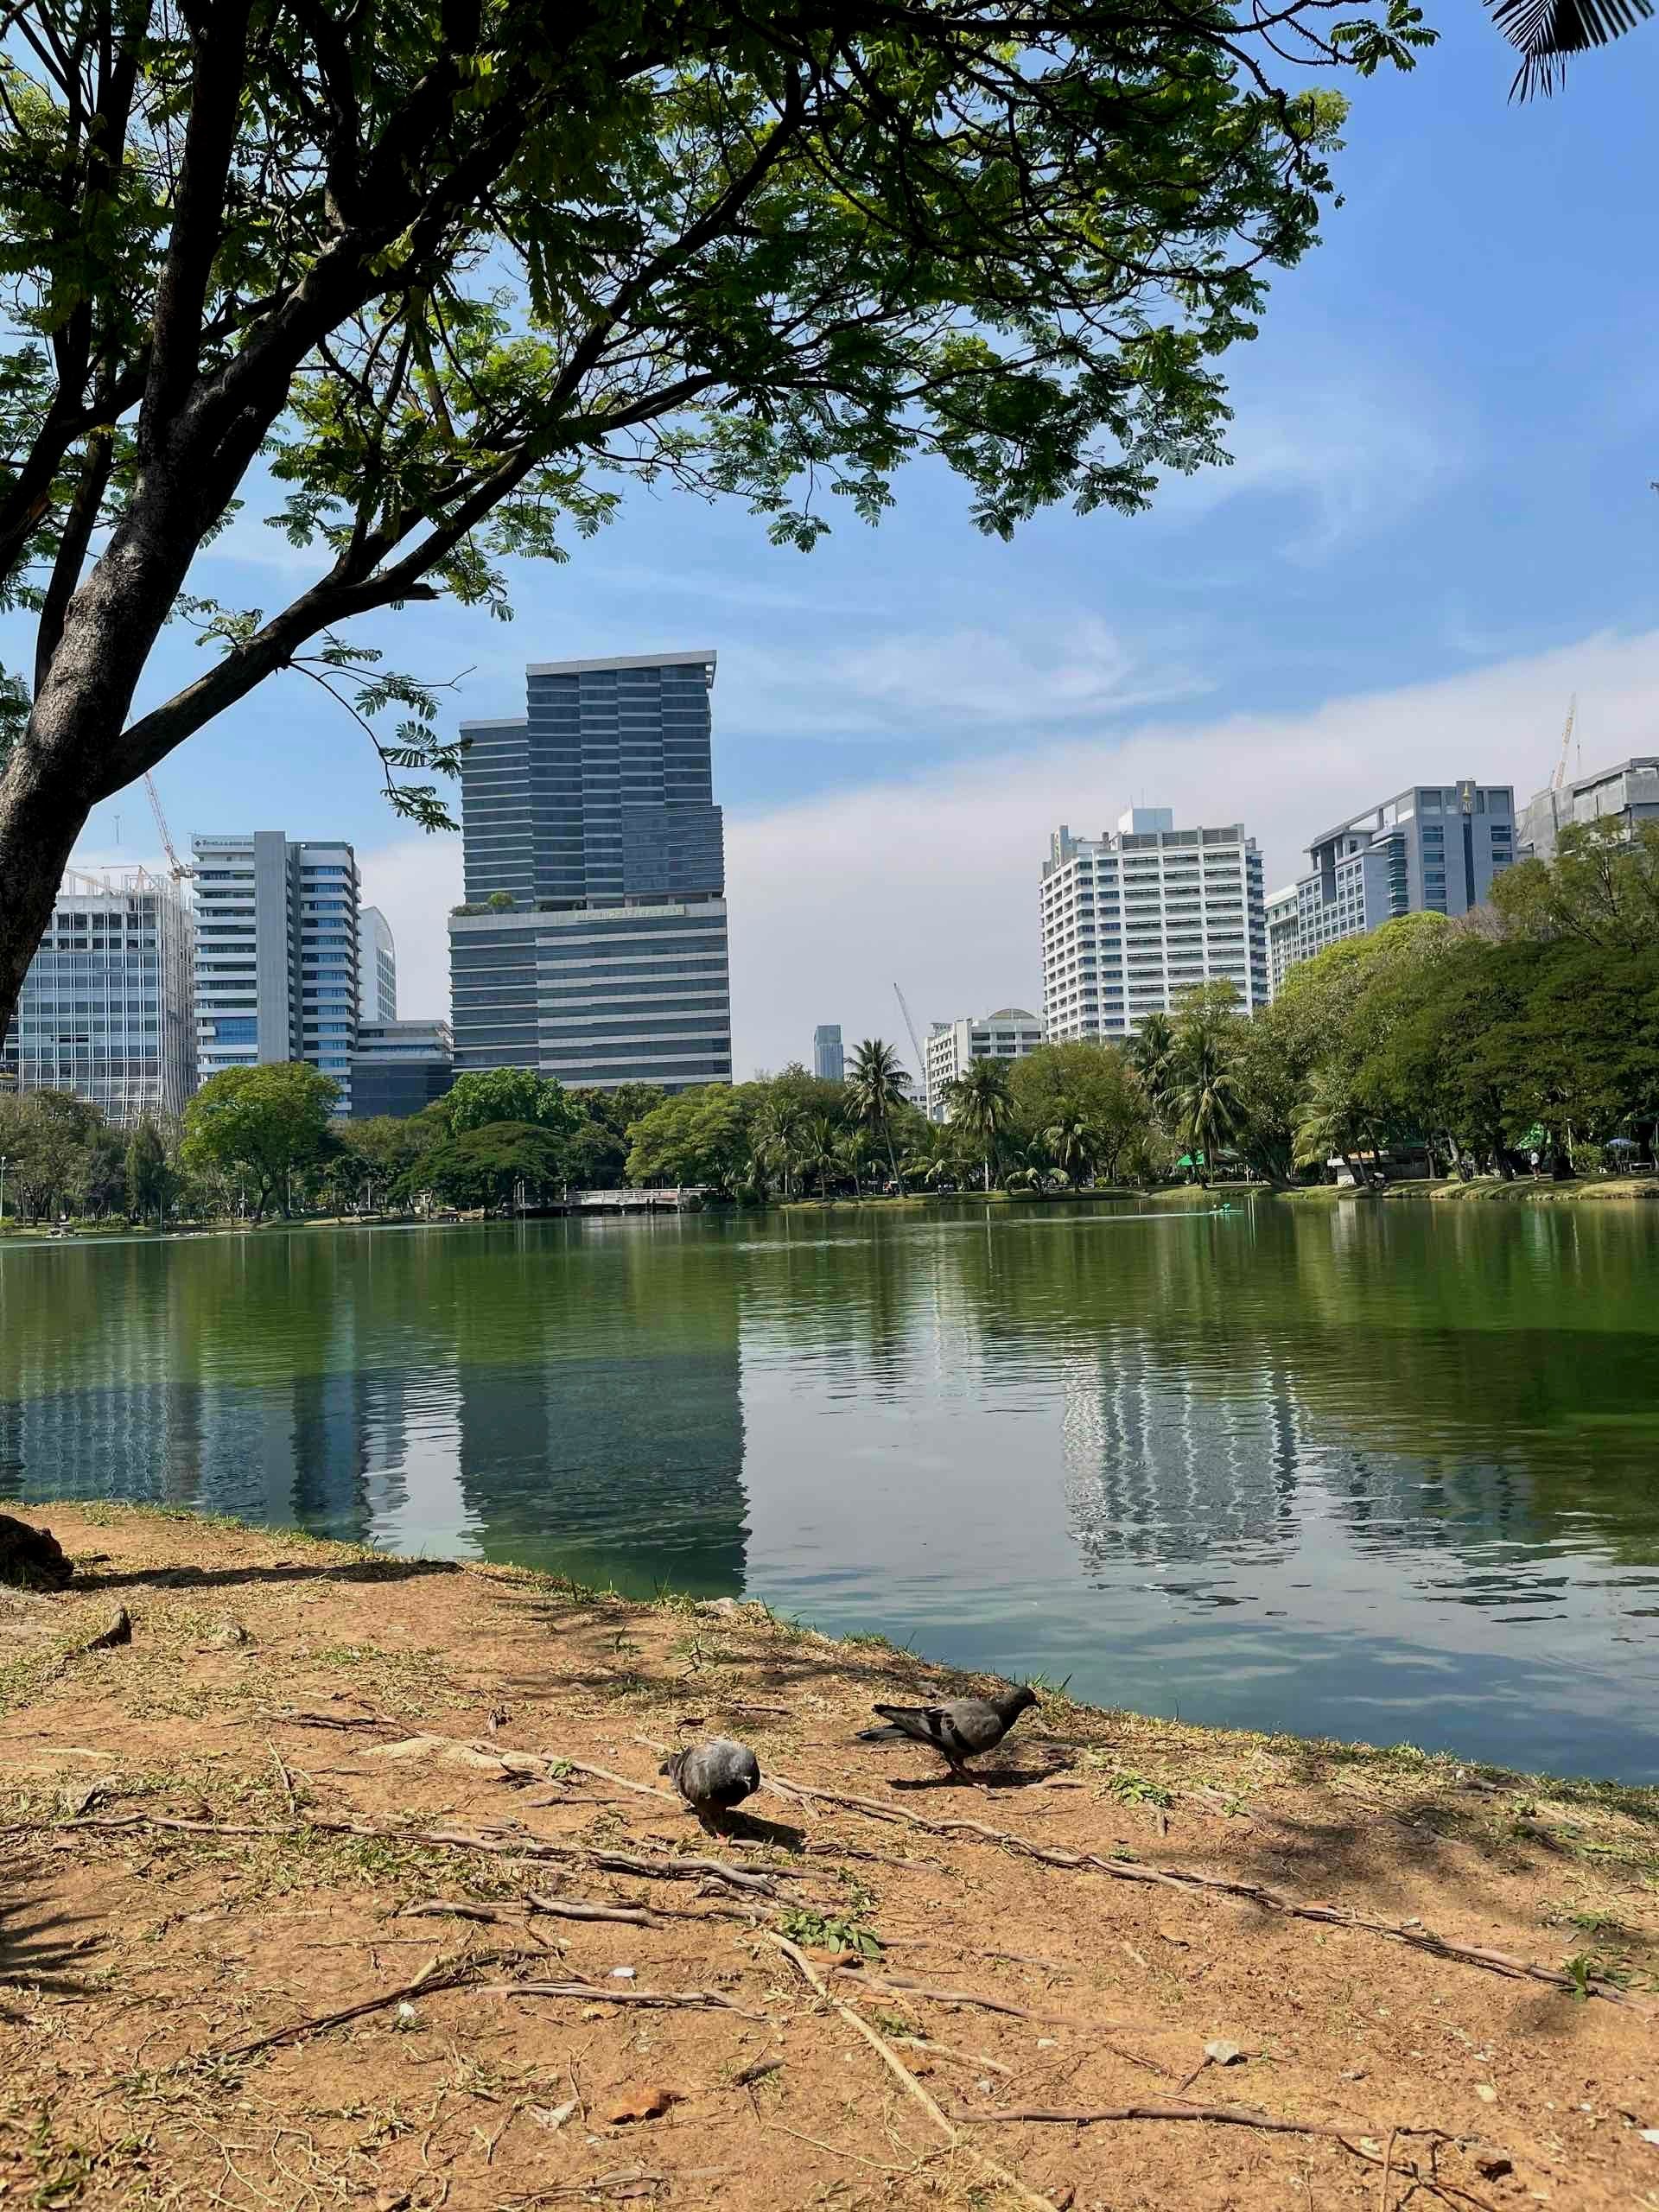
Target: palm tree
point(1331, 1121)
point(1151, 1054)
point(820, 1150)
point(980, 1099)
point(1546, 31)
point(877, 1084)
point(1072, 1141)
point(853, 1151)
point(777, 1133)
point(1205, 1101)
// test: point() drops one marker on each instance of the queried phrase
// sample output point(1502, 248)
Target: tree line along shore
point(1522, 1040)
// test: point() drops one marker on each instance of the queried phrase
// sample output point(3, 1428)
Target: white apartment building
point(1007, 1034)
point(1133, 919)
point(276, 954)
point(105, 1010)
point(1282, 939)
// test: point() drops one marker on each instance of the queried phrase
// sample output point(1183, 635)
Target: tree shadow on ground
point(37, 1948)
point(228, 1578)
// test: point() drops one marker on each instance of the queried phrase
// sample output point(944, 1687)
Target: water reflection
point(1370, 1471)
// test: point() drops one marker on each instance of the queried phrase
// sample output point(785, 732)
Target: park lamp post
point(5, 1163)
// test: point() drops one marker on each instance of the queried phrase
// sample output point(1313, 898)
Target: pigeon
point(958, 1732)
point(714, 1775)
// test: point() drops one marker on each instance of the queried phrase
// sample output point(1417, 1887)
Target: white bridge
point(678, 1201)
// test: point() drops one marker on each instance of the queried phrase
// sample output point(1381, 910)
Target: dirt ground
point(297, 1899)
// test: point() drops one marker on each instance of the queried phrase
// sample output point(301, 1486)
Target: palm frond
point(1545, 32)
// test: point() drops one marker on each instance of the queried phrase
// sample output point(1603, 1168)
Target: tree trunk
point(41, 817)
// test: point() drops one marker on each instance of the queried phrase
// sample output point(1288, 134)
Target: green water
point(1389, 1471)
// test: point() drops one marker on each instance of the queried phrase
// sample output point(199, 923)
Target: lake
point(1389, 1471)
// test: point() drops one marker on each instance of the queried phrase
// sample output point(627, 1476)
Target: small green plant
point(1132, 1788)
point(824, 1932)
point(1586, 1968)
point(893, 2024)
point(1596, 1924)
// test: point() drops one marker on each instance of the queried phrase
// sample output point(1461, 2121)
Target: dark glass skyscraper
point(592, 945)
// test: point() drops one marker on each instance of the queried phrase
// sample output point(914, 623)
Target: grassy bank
point(1592, 1190)
point(349, 1880)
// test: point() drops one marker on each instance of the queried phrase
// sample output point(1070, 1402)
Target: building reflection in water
point(1178, 1473)
point(503, 1404)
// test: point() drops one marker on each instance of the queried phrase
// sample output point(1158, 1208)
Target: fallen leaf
point(1063, 2199)
point(1493, 2165)
point(391, 2200)
point(643, 2101)
point(553, 2115)
point(1486, 2093)
point(1220, 2052)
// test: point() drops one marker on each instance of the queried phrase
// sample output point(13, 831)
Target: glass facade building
point(377, 967)
point(105, 1009)
point(276, 954)
point(592, 946)
point(400, 1067)
point(829, 1057)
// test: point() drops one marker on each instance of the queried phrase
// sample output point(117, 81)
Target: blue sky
point(1439, 524)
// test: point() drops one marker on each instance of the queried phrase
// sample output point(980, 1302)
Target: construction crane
point(1559, 777)
point(176, 867)
point(916, 1042)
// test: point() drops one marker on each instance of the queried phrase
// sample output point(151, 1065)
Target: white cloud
point(1065, 670)
point(932, 881)
point(1347, 458)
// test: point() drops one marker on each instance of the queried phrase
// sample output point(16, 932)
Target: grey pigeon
point(714, 1776)
point(959, 1731)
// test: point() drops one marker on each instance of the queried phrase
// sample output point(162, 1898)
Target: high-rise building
point(276, 954)
point(829, 1060)
point(1007, 1034)
point(377, 968)
point(1133, 919)
point(1432, 849)
point(592, 946)
point(1280, 916)
point(105, 1010)
point(400, 1067)
point(1627, 794)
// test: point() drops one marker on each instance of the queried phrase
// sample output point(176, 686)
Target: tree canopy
point(427, 284)
point(261, 1122)
point(487, 1094)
